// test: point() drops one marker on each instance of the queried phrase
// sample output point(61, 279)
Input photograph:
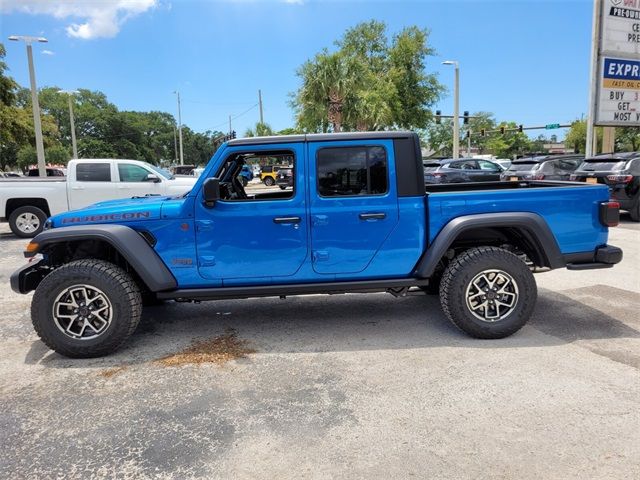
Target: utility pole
point(591, 146)
point(175, 145)
point(230, 124)
point(456, 108)
point(74, 145)
point(260, 103)
point(28, 40)
point(180, 128)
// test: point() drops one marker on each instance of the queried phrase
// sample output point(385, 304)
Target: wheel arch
point(15, 203)
point(526, 230)
point(116, 243)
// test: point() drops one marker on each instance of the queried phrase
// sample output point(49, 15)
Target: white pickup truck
point(27, 202)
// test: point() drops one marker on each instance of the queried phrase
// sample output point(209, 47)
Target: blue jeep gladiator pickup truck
point(358, 219)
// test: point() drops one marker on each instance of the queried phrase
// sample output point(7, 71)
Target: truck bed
point(475, 186)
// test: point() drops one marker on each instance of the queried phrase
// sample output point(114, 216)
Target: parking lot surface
point(347, 386)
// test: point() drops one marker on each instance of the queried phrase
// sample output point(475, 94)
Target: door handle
point(287, 220)
point(372, 216)
point(77, 188)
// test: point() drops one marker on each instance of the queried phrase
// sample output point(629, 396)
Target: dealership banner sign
point(618, 96)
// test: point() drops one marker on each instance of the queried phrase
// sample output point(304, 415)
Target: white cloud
point(96, 18)
point(48, 52)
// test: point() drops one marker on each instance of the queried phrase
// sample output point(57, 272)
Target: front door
point(353, 203)
point(256, 232)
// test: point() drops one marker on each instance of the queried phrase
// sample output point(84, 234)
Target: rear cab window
point(352, 171)
point(93, 172)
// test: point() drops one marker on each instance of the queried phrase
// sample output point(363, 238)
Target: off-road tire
point(13, 219)
point(458, 276)
point(113, 281)
point(268, 181)
point(245, 182)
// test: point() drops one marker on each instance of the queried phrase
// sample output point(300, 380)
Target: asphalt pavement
point(349, 386)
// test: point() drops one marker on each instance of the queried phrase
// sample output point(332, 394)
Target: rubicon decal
point(108, 217)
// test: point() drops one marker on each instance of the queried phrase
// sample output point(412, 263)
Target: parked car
point(182, 169)
point(26, 203)
point(503, 162)
point(461, 170)
point(620, 172)
point(51, 172)
point(358, 219)
point(246, 175)
point(269, 174)
point(545, 167)
point(10, 175)
point(285, 178)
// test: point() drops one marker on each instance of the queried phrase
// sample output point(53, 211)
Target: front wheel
point(27, 222)
point(268, 181)
point(635, 212)
point(488, 292)
point(86, 308)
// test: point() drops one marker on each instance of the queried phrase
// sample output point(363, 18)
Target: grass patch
point(218, 350)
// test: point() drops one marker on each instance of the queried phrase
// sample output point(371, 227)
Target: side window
point(488, 166)
point(234, 187)
point(352, 171)
point(132, 173)
point(93, 172)
point(456, 165)
point(469, 165)
point(567, 165)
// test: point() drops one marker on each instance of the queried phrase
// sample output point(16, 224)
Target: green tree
point(480, 121)
point(368, 83)
point(259, 130)
point(510, 144)
point(628, 139)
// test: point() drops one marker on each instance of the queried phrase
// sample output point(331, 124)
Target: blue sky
point(526, 61)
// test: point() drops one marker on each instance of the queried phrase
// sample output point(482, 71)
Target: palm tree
point(260, 130)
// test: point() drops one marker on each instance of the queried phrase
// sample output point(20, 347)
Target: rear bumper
point(603, 257)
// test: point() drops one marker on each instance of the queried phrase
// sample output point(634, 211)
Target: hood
point(185, 181)
point(112, 211)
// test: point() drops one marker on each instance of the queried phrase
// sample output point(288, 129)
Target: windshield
point(160, 171)
point(524, 166)
point(600, 166)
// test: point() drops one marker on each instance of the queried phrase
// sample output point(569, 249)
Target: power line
point(233, 117)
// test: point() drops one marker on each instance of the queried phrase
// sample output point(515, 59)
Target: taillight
point(573, 177)
point(620, 178)
point(609, 213)
point(539, 176)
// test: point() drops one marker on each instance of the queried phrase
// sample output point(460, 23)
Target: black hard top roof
point(319, 137)
point(544, 158)
point(614, 156)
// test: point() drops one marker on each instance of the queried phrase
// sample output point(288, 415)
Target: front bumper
point(27, 277)
point(603, 257)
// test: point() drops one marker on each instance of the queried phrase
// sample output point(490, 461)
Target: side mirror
point(152, 177)
point(211, 191)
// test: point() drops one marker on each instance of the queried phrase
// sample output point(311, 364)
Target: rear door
point(489, 171)
point(91, 183)
point(353, 203)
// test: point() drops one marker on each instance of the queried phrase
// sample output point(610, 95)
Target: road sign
point(619, 92)
point(551, 126)
point(621, 28)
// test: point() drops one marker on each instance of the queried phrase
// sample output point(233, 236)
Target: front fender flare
point(129, 243)
point(532, 226)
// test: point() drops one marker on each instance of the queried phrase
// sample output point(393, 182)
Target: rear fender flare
point(532, 226)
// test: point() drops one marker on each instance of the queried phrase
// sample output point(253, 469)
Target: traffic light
point(468, 133)
point(482, 132)
point(465, 117)
point(520, 128)
point(438, 113)
point(502, 130)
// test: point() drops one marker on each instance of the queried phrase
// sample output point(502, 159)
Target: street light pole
point(456, 108)
point(74, 145)
point(28, 40)
point(180, 129)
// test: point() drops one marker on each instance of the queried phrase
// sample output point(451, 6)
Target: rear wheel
point(86, 308)
point(244, 181)
point(488, 292)
point(268, 181)
point(27, 222)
